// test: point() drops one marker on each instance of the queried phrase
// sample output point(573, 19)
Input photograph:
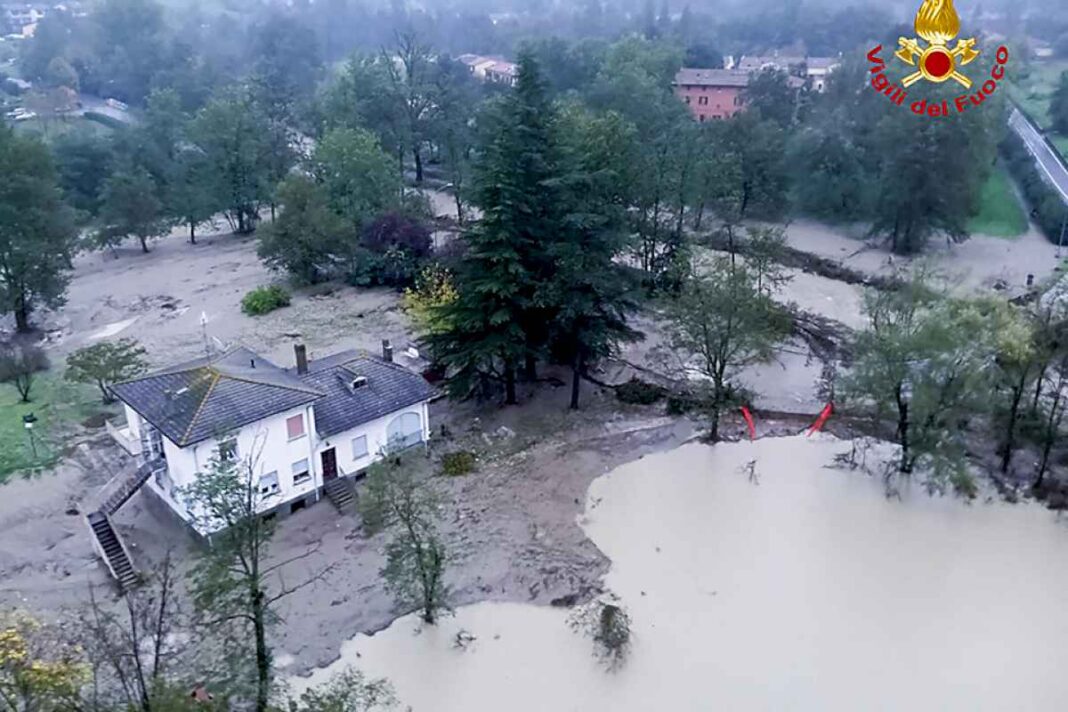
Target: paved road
point(1044, 155)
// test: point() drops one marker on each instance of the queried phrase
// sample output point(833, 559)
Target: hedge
point(263, 300)
point(1047, 207)
point(110, 121)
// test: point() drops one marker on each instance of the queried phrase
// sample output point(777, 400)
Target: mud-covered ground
point(510, 527)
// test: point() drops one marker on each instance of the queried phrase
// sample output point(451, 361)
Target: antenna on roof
point(204, 333)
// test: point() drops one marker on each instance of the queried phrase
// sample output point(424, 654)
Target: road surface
point(1044, 154)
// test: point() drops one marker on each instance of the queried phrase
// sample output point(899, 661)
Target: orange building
point(711, 93)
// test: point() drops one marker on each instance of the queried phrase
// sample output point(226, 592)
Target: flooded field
point(802, 588)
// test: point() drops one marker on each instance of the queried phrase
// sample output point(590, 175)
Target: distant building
point(711, 93)
point(813, 70)
point(490, 69)
point(818, 69)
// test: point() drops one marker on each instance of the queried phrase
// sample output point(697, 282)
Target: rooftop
point(711, 77)
point(385, 388)
point(207, 397)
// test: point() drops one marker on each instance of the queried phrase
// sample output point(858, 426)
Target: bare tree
point(129, 651)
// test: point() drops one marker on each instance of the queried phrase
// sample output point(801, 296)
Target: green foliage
point(769, 94)
point(37, 233)
point(427, 302)
point(130, 205)
point(360, 180)
point(308, 235)
point(231, 131)
point(396, 498)
point(639, 392)
point(457, 464)
point(263, 300)
point(105, 364)
point(1058, 106)
point(494, 316)
point(19, 366)
point(38, 671)
point(928, 361)
point(1000, 211)
point(725, 319)
point(347, 691)
point(1046, 205)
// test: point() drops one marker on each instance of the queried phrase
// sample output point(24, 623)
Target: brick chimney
point(301, 352)
point(387, 350)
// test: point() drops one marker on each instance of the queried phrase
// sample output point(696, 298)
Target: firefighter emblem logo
point(938, 24)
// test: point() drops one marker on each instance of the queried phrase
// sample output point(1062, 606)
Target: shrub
point(1047, 209)
point(110, 121)
point(19, 364)
point(455, 464)
point(263, 300)
point(639, 392)
point(682, 403)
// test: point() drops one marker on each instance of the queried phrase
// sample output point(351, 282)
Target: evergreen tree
point(590, 295)
point(499, 325)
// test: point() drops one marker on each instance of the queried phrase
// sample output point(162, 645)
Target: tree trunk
point(459, 204)
point(530, 367)
point(1038, 388)
point(1014, 413)
point(509, 384)
point(576, 375)
point(263, 655)
point(144, 243)
point(713, 431)
point(22, 315)
point(903, 431)
point(417, 156)
point(192, 233)
point(700, 216)
point(1050, 436)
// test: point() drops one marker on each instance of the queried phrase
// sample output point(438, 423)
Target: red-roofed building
point(711, 93)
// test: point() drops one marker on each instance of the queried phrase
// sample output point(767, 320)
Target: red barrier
point(749, 421)
point(820, 421)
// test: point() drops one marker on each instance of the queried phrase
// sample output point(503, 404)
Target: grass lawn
point(51, 129)
point(1061, 142)
point(1033, 93)
point(58, 405)
point(1000, 212)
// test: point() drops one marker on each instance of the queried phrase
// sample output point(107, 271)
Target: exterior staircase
point(342, 493)
point(110, 547)
point(106, 541)
point(126, 488)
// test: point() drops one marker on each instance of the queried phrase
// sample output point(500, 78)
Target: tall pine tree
point(499, 325)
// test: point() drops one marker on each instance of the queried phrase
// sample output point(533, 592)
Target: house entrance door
point(329, 464)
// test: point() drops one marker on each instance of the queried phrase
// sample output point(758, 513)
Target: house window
point(301, 473)
point(295, 426)
point(702, 118)
point(687, 100)
point(228, 450)
point(359, 447)
point(702, 100)
point(269, 484)
point(404, 431)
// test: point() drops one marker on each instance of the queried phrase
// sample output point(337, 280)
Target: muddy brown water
point(805, 589)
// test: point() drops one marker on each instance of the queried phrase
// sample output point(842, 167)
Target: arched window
point(404, 431)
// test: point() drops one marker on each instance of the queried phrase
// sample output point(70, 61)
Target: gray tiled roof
point(711, 78)
point(203, 398)
point(389, 388)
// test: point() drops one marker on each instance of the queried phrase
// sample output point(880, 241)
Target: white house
point(304, 429)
